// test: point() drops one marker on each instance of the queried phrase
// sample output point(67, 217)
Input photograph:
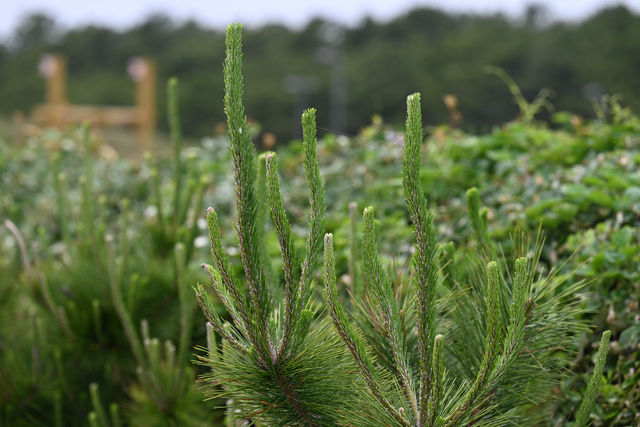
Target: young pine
point(483, 346)
point(484, 350)
point(279, 361)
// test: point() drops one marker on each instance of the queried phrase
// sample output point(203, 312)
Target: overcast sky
point(219, 13)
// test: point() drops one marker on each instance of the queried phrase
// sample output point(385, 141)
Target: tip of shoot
point(414, 97)
point(521, 262)
point(328, 239)
point(309, 113)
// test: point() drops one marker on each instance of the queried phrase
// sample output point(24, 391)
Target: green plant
point(502, 355)
point(528, 110)
point(95, 276)
point(485, 350)
point(279, 359)
point(187, 192)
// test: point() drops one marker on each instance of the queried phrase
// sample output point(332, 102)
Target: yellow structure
point(57, 111)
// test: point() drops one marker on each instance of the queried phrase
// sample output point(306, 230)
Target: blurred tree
point(424, 50)
point(35, 30)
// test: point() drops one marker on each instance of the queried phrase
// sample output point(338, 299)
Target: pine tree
point(280, 361)
point(482, 353)
point(478, 346)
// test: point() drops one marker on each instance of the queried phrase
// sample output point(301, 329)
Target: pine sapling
point(481, 350)
point(278, 362)
point(481, 354)
point(187, 187)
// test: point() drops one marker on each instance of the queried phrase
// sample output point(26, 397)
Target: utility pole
point(331, 55)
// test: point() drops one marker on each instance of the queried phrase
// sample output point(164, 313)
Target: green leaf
point(622, 237)
point(601, 198)
point(630, 337)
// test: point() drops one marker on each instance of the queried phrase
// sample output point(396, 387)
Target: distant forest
point(349, 73)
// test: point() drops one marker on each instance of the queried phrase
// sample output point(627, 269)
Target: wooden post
point(53, 67)
point(143, 72)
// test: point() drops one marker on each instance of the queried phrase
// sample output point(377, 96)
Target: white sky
point(219, 13)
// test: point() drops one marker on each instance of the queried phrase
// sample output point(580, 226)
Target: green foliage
point(90, 273)
point(490, 380)
point(278, 363)
point(70, 307)
point(512, 330)
point(188, 186)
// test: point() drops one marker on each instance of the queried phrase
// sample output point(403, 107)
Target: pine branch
point(287, 249)
point(114, 412)
point(236, 302)
point(383, 291)
point(225, 297)
point(354, 342)
point(478, 390)
point(229, 279)
point(62, 202)
point(124, 239)
point(494, 310)
point(96, 319)
point(288, 384)
point(57, 408)
point(447, 258)
point(317, 209)
point(57, 311)
point(425, 260)
point(181, 214)
point(589, 399)
point(88, 196)
point(157, 191)
point(93, 420)
point(243, 155)
point(212, 346)
point(317, 206)
point(215, 321)
point(261, 192)
point(193, 232)
point(437, 368)
point(22, 246)
point(515, 330)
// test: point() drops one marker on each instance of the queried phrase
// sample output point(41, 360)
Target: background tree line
point(361, 71)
